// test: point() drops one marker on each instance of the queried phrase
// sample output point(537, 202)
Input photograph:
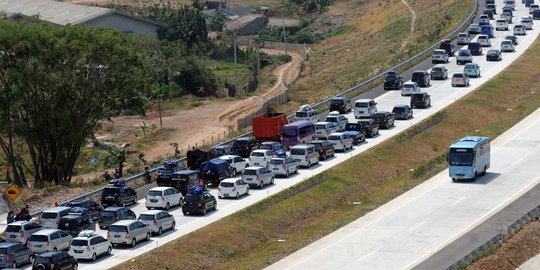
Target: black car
point(536, 15)
point(493, 55)
point(54, 260)
point(489, 12)
point(340, 104)
point(513, 38)
point(393, 81)
point(384, 119)
point(164, 173)
point(118, 195)
point(448, 46)
point(493, 8)
point(74, 224)
point(421, 77)
point(186, 179)
point(199, 203)
point(402, 112)
point(243, 146)
point(421, 99)
point(475, 48)
point(94, 209)
point(370, 126)
point(13, 255)
point(111, 215)
point(325, 148)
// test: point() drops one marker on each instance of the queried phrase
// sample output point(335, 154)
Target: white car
point(527, 23)
point(323, 129)
point(439, 56)
point(260, 157)
point(233, 188)
point(157, 220)
point(519, 29)
point(340, 141)
point(163, 197)
point(474, 28)
point(483, 20)
point(460, 79)
point(305, 155)
point(89, 245)
point(507, 46)
point(238, 164)
point(501, 25)
point(49, 240)
point(484, 41)
point(410, 88)
point(283, 166)
point(463, 39)
point(339, 120)
point(305, 112)
point(510, 4)
point(258, 176)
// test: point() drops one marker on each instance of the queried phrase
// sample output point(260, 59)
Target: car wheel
point(149, 208)
point(309, 164)
point(14, 265)
point(133, 242)
point(55, 249)
point(94, 257)
point(124, 204)
point(167, 206)
point(215, 206)
point(109, 250)
point(272, 181)
point(261, 185)
point(234, 172)
point(237, 195)
point(204, 211)
point(159, 231)
point(247, 191)
point(287, 173)
point(148, 236)
point(75, 266)
point(173, 225)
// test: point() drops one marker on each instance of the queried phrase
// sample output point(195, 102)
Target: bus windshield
point(461, 157)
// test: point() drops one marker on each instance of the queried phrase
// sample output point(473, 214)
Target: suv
point(489, 13)
point(483, 20)
point(325, 148)
point(163, 197)
point(305, 112)
point(512, 38)
point(507, 46)
point(493, 8)
point(392, 81)
point(370, 127)
point(49, 240)
point(93, 208)
point(54, 260)
point(50, 217)
point(483, 40)
point(338, 120)
point(439, 56)
point(74, 224)
point(421, 99)
point(164, 173)
point(364, 108)
point(384, 119)
point(474, 28)
point(128, 232)
point(201, 202)
point(472, 70)
point(475, 48)
point(237, 163)
point(260, 158)
point(402, 112)
point(243, 146)
point(340, 141)
point(464, 56)
point(448, 47)
point(14, 254)
point(463, 38)
point(340, 104)
point(113, 214)
point(20, 231)
point(460, 79)
point(421, 77)
point(157, 220)
point(88, 246)
point(118, 195)
point(501, 25)
point(282, 166)
point(439, 72)
point(519, 30)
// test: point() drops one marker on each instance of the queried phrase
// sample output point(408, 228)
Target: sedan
point(460, 79)
point(493, 55)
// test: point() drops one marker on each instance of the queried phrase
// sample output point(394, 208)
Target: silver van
point(340, 141)
point(128, 232)
point(283, 166)
point(257, 176)
point(157, 220)
point(49, 240)
point(50, 217)
point(323, 129)
point(305, 155)
point(364, 108)
point(20, 231)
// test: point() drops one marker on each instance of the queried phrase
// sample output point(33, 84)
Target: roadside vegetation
point(324, 203)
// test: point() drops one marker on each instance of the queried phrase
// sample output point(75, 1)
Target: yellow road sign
point(13, 192)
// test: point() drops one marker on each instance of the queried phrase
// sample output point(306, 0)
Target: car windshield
point(398, 110)
point(74, 204)
point(68, 224)
point(331, 119)
point(408, 85)
point(265, 146)
point(107, 214)
point(48, 215)
point(146, 217)
point(301, 114)
point(227, 184)
point(438, 53)
point(464, 53)
point(109, 192)
point(38, 238)
point(378, 116)
point(469, 66)
point(154, 193)
point(257, 154)
point(436, 69)
point(323, 126)
point(298, 151)
point(336, 102)
point(193, 198)
point(240, 143)
point(506, 42)
point(334, 138)
point(463, 35)
point(418, 75)
point(492, 52)
point(165, 171)
point(118, 228)
point(79, 243)
point(461, 157)
point(250, 172)
point(13, 228)
point(290, 132)
point(417, 97)
point(361, 105)
point(42, 260)
point(458, 75)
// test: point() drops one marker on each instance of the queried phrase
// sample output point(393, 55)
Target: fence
point(317, 105)
point(271, 44)
point(496, 241)
point(277, 100)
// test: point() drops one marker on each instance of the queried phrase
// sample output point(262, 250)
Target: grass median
point(324, 203)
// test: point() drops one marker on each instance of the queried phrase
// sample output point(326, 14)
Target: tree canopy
point(56, 84)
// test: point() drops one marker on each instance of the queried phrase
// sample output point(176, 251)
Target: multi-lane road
point(442, 95)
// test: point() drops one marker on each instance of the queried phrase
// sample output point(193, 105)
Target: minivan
point(340, 141)
point(323, 129)
point(157, 220)
point(421, 77)
point(364, 108)
point(340, 104)
point(20, 231)
point(49, 240)
point(13, 255)
point(475, 48)
point(257, 176)
point(283, 166)
point(128, 232)
point(487, 30)
point(305, 154)
point(113, 214)
point(306, 113)
point(50, 217)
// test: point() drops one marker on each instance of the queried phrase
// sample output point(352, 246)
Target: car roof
point(124, 222)
point(7, 244)
point(253, 168)
point(401, 106)
point(57, 209)
point(48, 253)
point(20, 222)
point(159, 188)
point(364, 100)
point(439, 50)
point(323, 123)
point(336, 133)
point(152, 212)
point(113, 208)
point(244, 139)
point(438, 66)
point(269, 142)
point(338, 98)
point(45, 231)
point(72, 216)
point(260, 151)
point(303, 146)
point(228, 156)
point(185, 172)
point(230, 180)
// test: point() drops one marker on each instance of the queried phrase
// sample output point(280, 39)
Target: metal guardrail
point(314, 106)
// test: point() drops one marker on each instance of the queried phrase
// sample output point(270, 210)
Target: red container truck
point(268, 126)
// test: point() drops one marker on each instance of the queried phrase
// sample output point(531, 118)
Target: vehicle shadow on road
point(481, 180)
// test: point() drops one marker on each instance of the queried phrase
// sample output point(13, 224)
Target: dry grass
point(322, 204)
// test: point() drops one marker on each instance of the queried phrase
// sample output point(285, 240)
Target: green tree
point(187, 25)
point(57, 84)
point(194, 77)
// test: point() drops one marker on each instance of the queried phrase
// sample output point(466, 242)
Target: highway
point(442, 95)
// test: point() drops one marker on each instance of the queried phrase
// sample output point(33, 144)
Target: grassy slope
point(322, 204)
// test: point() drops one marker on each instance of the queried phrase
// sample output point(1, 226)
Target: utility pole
point(258, 44)
point(235, 70)
point(283, 22)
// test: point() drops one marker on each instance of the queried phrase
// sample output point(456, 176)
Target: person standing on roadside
point(147, 175)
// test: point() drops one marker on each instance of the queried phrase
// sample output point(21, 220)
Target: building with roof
point(61, 13)
point(247, 25)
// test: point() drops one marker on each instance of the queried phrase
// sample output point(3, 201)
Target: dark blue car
point(13, 255)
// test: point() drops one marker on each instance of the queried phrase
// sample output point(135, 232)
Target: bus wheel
point(453, 179)
point(485, 170)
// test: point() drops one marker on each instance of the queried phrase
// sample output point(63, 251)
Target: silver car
point(257, 176)
point(158, 220)
point(128, 232)
point(49, 240)
point(283, 166)
point(20, 231)
point(460, 79)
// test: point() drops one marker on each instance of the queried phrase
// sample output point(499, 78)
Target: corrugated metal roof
point(53, 11)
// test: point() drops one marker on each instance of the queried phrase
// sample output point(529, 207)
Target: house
point(247, 25)
point(61, 13)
